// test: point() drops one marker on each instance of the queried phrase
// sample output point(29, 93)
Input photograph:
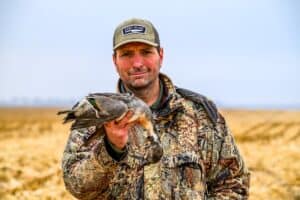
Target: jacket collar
point(168, 85)
point(171, 101)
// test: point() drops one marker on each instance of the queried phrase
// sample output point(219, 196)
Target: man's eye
point(125, 54)
point(147, 52)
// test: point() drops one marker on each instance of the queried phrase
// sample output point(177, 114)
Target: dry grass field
point(32, 142)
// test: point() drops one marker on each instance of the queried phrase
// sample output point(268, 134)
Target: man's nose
point(137, 60)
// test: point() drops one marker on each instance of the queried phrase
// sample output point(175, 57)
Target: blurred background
point(243, 54)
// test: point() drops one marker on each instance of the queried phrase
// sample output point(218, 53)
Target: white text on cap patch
point(133, 29)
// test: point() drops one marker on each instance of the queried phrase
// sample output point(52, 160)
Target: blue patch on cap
point(133, 29)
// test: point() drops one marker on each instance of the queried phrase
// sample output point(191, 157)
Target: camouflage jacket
point(200, 160)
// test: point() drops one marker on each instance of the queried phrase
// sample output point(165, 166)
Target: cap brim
point(135, 40)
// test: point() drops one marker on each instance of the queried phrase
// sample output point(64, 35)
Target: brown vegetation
point(32, 142)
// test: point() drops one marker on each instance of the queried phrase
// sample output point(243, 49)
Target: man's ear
point(161, 56)
point(114, 58)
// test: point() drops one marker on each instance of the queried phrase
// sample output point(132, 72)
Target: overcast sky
point(240, 53)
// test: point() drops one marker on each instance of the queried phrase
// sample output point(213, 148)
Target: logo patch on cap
point(133, 29)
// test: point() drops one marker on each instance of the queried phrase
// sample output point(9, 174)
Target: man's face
point(138, 64)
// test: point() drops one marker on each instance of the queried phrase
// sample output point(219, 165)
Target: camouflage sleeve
point(86, 164)
point(228, 177)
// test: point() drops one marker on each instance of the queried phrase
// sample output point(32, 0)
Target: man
point(200, 159)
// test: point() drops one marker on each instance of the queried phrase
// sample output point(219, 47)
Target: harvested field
point(32, 141)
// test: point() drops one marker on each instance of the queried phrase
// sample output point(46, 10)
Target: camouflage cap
point(135, 30)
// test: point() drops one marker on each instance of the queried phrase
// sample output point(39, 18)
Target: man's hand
point(117, 131)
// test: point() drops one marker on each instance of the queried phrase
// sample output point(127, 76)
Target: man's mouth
point(137, 74)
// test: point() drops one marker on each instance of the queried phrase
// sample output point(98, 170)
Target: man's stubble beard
point(139, 88)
